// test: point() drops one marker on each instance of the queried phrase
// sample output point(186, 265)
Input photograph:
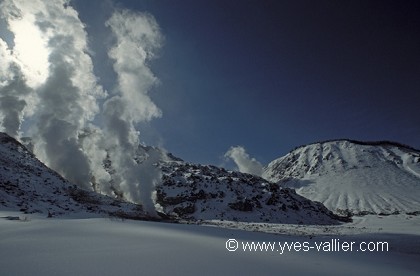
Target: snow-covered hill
point(29, 186)
point(186, 191)
point(201, 192)
point(345, 175)
point(196, 192)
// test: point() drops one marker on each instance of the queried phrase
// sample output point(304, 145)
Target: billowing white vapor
point(243, 161)
point(137, 36)
point(47, 80)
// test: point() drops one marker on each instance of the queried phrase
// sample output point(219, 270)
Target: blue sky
point(273, 75)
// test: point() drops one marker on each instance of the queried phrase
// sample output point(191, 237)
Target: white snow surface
point(352, 176)
point(37, 245)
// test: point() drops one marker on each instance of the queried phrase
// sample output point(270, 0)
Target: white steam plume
point(46, 75)
point(50, 47)
point(13, 92)
point(29, 43)
point(245, 163)
point(137, 36)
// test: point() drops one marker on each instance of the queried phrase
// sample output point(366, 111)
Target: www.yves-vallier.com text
point(333, 245)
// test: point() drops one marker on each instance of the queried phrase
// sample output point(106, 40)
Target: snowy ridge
point(198, 192)
point(351, 176)
point(29, 186)
point(187, 192)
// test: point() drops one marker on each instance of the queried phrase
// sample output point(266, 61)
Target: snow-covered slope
point(197, 192)
point(187, 191)
point(345, 175)
point(29, 186)
point(200, 192)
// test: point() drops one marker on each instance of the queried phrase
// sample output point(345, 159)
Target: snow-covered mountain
point(198, 192)
point(352, 176)
point(187, 191)
point(203, 192)
point(29, 186)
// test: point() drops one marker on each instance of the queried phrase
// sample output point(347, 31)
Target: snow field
point(100, 246)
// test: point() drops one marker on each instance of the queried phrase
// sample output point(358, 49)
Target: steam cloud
point(132, 105)
point(245, 163)
point(46, 77)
